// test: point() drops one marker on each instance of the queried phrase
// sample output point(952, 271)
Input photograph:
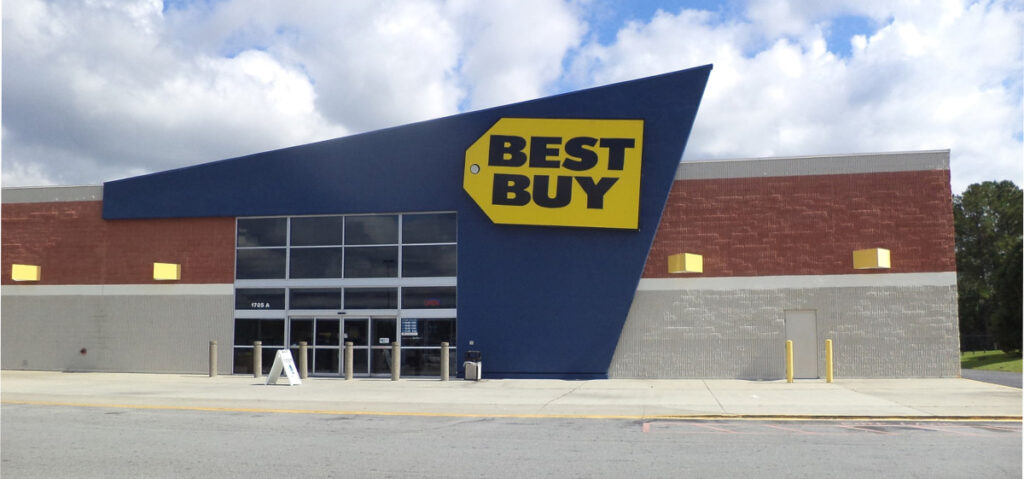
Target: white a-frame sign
point(283, 362)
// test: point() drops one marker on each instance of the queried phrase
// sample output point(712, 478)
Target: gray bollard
point(444, 361)
point(257, 359)
point(396, 361)
point(213, 359)
point(303, 360)
point(348, 360)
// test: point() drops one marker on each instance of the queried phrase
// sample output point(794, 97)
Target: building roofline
point(52, 194)
point(846, 163)
point(827, 164)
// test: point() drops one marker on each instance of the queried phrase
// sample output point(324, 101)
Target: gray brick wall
point(891, 331)
point(120, 333)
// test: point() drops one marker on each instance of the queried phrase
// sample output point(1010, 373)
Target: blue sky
point(97, 91)
point(607, 16)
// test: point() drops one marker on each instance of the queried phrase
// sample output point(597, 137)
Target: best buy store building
point(560, 237)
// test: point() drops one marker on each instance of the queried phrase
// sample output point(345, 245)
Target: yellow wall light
point(25, 272)
point(872, 258)
point(685, 263)
point(166, 271)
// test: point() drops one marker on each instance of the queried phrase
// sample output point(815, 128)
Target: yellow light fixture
point(685, 263)
point(872, 258)
point(25, 272)
point(166, 271)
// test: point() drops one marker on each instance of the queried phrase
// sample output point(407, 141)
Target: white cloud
point(99, 90)
point(513, 51)
point(374, 65)
point(96, 91)
point(25, 174)
point(931, 78)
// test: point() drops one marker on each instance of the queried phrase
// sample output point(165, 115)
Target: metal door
point(802, 329)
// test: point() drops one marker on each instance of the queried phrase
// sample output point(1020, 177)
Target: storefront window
point(315, 263)
point(315, 298)
point(433, 297)
point(427, 332)
point(357, 334)
point(371, 229)
point(328, 279)
point(247, 331)
point(260, 263)
point(301, 330)
point(425, 261)
point(371, 262)
point(383, 331)
point(371, 298)
point(317, 231)
point(256, 299)
point(269, 331)
point(426, 362)
point(262, 232)
point(428, 228)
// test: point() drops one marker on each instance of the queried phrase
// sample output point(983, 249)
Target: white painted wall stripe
point(798, 282)
point(52, 194)
point(217, 289)
point(858, 163)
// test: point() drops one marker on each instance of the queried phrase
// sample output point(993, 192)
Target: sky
point(97, 90)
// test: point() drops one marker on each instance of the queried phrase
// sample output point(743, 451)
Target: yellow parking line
point(694, 417)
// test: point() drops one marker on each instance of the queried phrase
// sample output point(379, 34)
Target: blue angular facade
point(546, 302)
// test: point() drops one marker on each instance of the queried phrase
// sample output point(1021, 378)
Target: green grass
point(991, 361)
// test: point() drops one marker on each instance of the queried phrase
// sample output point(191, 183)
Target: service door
point(802, 329)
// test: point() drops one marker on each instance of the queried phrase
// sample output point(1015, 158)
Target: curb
point(646, 418)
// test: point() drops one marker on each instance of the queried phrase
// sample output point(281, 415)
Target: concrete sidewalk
point(634, 399)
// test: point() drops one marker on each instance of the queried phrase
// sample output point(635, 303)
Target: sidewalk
point(625, 398)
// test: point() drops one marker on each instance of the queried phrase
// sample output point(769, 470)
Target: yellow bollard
point(789, 361)
point(828, 360)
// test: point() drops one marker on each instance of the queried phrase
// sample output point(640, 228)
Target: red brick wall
point(74, 245)
point(807, 225)
point(799, 225)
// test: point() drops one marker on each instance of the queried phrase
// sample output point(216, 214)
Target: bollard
point(828, 360)
point(348, 360)
point(303, 360)
point(257, 359)
point(213, 359)
point(396, 361)
point(789, 361)
point(444, 361)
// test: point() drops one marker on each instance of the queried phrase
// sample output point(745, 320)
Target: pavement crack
point(712, 393)
point(565, 394)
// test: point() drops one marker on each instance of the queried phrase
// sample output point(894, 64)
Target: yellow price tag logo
point(558, 172)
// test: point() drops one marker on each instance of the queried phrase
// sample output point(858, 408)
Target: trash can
point(473, 366)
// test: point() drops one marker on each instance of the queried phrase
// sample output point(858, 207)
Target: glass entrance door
point(382, 335)
point(357, 332)
point(371, 340)
point(322, 336)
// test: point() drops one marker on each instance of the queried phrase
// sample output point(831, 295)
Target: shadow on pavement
point(995, 377)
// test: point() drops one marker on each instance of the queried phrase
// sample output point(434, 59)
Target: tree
point(1008, 317)
point(988, 220)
